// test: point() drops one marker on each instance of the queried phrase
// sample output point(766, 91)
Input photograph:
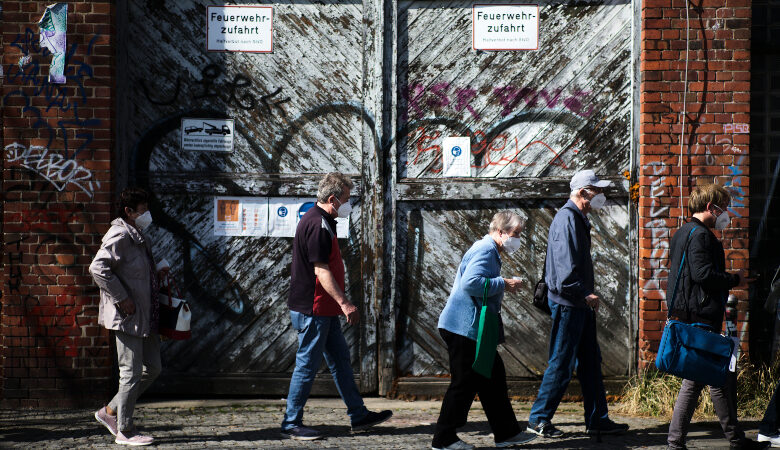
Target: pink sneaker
point(106, 419)
point(133, 438)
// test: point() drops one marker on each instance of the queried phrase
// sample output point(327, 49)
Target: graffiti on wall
point(420, 99)
point(212, 85)
point(43, 102)
point(659, 238)
point(53, 167)
point(736, 181)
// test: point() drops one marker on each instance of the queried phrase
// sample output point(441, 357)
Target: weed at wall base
point(652, 393)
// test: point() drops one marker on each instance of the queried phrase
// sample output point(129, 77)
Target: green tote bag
point(487, 339)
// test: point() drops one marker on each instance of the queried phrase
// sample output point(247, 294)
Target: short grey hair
point(506, 221)
point(333, 183)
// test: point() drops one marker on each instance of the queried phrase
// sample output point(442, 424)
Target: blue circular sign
point(282, 211)
point(305, 207)
point(456, 151)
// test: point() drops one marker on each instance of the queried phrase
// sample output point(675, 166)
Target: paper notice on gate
point(456, 157)
point(254, 216)
point(284, 213)
point(227, 221)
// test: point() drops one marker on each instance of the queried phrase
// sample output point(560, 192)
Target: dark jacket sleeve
point(703, 269)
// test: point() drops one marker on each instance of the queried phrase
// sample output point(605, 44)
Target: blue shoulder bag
point(693, 351)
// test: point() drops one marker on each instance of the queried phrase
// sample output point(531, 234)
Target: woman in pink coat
point(124, 270)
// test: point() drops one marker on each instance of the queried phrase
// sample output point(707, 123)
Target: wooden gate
point(370, 88)
point(534, 119)
point(299, 112)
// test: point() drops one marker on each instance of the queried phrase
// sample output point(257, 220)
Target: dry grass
point(653, 393)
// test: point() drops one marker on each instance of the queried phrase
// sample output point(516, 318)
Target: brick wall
point(715, 144)
point(57, 197)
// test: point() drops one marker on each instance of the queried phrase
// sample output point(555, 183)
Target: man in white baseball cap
point(573, 304)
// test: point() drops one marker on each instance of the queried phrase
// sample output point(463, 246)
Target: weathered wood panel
point(534, 119)
point(298, 114)
point(437, 235)
point(539, 113)
point(238, 289)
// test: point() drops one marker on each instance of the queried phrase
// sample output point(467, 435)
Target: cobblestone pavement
point(255, 424)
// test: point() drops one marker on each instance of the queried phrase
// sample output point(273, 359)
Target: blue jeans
point(572, 345)
point(319, 335)
point(769, 425)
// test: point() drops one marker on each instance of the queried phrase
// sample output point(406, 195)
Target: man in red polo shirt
point(316, 302)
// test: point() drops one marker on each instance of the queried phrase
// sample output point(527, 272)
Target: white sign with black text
point(505, 27)
point(207, 135)
point(245, 28)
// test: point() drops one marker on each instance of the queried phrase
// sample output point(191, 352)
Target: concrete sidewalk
point(255, 424)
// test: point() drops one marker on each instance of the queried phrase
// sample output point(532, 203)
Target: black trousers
point(464, 385)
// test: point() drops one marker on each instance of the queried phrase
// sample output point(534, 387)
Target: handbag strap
point(679, 272)
point(170, 285)
point(484, 293)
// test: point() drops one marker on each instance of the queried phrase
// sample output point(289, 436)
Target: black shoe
point(301, 433)
point(607, 426)
point(544, 429)
point(748, 444)
point(371, 419)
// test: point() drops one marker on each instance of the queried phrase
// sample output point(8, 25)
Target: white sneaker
point(520, 438)
point(773, 439)
point(457, 445)
point(133, 438)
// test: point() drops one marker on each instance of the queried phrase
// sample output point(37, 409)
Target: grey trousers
point(139, 365)
point(724, 399)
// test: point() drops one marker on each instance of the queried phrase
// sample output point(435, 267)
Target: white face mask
point(511, 244)
point(143, 221)
point(723, 220)
point(344, 209)
point(598, 201)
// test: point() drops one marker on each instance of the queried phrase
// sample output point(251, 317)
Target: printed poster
point(283, 215)
point(254, 216)
point(227, 211)
point(265, 217)
point(456, 156)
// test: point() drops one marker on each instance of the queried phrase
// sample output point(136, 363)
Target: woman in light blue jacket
point(458, 325)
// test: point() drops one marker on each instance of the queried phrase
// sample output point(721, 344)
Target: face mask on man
point(344, 209)
point(143, 221)
point(598, 201)
point(511, 244)
point(723, 219)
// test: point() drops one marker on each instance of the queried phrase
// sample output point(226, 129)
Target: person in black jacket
point(701, 298)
